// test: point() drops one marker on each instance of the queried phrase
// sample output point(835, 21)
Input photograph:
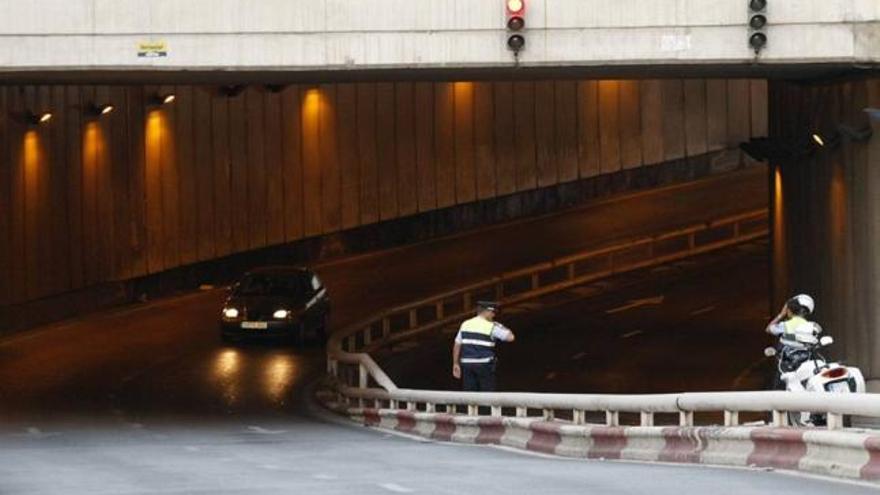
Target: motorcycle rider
point(792, 327)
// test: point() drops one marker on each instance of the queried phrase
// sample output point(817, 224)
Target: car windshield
point(262, 284)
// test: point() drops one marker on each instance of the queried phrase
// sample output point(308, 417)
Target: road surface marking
point(325, 477)
point(190, 448)
point(630, 334)
point(394, 487)
point(34, 432)
point(707, 309)
point(578, 356)
point(264, 431)
point(637, 303)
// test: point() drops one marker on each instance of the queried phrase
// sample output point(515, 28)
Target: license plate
point(254, 325)
point(839, 387)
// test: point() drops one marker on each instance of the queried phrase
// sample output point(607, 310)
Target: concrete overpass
point(304, 129)
point(347, 35)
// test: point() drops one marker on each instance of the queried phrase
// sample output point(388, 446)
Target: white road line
point(325, 477)
point(630, 334)
point(264, 431)
point(637, 303)
point(707, 309)
point(394, 487)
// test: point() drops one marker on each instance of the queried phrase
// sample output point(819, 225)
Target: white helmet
point(805, 301)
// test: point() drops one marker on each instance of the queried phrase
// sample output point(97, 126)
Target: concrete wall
point(827, 217)
point(145, 189)
point(354, 34)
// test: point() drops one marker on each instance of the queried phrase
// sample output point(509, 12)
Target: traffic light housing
point(757, 25)
point(516, 22)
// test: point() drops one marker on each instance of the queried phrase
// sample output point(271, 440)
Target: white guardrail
point(355, 373)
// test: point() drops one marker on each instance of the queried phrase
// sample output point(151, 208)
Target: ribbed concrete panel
point(351, 34)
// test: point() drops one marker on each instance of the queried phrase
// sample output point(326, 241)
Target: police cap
point(487, 306)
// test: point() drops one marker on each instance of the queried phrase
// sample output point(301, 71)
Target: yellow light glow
point(838, 202)
point(780, 249)
point(463, 92)
point(226, 372)
point(279, 377)
point(312, 103)
point(31, 157)
point(93, 149)
point(226, 363)
point(153, 135)
point(818, 140)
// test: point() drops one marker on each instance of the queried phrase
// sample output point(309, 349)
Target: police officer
point(791, 318)
point(473, 355)
point(790, 324)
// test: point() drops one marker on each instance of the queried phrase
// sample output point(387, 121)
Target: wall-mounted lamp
point(162, 99)
point(825, 139)
point(100, 110)
point(38, 118)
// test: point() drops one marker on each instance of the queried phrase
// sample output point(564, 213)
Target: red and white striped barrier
point(844, 454)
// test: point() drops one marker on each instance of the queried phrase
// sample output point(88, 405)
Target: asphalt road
point(146, 399)
point(164, 359)
point(694, 325)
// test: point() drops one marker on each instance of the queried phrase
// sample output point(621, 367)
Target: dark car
point(276, 301)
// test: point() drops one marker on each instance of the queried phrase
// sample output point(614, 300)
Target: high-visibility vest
point(477, 344)
point(789, 327)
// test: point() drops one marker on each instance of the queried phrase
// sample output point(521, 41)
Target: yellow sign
point(152, 49)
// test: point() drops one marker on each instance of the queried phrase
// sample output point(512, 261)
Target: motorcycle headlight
point(230, 313)
point(281, 314)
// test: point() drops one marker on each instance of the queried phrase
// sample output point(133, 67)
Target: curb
point(852, 455)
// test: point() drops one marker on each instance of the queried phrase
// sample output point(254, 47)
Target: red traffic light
point(516, 7)
point(516, 21)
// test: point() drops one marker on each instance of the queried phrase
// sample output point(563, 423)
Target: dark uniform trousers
point(478, 377)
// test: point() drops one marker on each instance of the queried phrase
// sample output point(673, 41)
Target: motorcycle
point(805, 369)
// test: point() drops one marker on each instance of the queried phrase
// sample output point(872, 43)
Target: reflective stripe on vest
point(477, 344)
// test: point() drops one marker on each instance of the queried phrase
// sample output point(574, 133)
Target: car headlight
point(230, 313)
point(281, 314)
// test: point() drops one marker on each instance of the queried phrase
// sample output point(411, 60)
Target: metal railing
point(354, 371)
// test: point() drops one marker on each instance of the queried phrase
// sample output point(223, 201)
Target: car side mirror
point(826, 341)
point(769, 351)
